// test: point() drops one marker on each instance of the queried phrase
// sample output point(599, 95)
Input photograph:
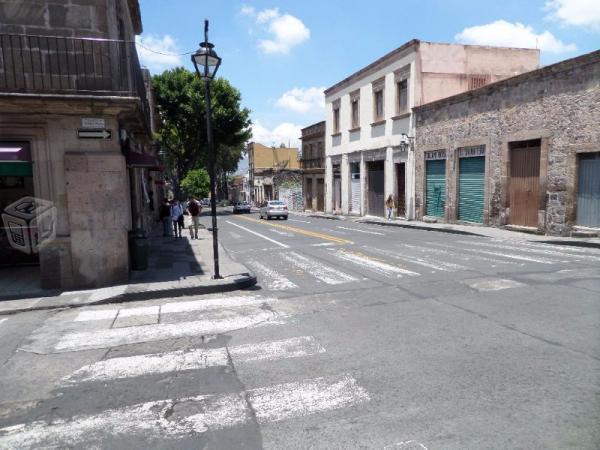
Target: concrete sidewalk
point(473, 230)
point(176, 267)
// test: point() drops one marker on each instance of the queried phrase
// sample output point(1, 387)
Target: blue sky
point(281, 54)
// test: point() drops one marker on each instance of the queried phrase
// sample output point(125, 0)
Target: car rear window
point(275, 203)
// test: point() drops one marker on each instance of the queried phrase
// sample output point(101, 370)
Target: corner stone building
point(76, 105)
point(522, 153)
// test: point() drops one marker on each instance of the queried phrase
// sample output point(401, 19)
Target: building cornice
point(374, 66)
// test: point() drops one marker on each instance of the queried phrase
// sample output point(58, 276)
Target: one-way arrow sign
point(94, 134)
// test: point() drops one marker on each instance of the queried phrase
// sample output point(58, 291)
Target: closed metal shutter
point(588, 193)
point(436, 187)
point(471, 182)
point(355, 189)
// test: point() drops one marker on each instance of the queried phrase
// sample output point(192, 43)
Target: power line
point(162, 53)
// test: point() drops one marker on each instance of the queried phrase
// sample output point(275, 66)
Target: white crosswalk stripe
point(322, 272)
point(372, 263)
point(156, 419)
point(157, 332)
point(176, 307)
point(429, 263)
point(194, 359)
point(478, 251)
point(547, 249)
point(514, 248)
point(448, 254)
point(271, 278)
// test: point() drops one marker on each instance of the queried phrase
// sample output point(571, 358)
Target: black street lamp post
point(206, 61)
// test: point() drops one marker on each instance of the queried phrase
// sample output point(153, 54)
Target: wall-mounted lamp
point(406, 142)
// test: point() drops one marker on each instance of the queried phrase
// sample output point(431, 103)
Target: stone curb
point(227, 284)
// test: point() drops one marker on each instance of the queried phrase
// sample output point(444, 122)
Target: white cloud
point(247, 10)
point(303, 100)
point(267, 15)
point(285, 30)
point(286, 133)
point(157, 53)
point(582, 13)
point(506, 34)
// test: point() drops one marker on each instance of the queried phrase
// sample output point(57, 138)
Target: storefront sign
point(436, 154)
point(470, 152)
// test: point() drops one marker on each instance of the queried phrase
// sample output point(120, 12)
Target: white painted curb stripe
point(194, 359)
point(258, 234)
point(157, 332)
point(160, 419)
point(175, 307)
point(317, 269)
point(273, 280)
point(373, 264)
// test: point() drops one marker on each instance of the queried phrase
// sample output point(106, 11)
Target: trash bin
point(138, 250)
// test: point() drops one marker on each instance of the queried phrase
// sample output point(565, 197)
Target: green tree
point(196, 183)
point(181, 107)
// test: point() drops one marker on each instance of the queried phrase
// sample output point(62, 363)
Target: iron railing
point(31, 64)
point(312, 163)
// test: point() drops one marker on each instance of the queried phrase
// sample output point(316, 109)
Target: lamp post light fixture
point(207, 62)
point(406, 142)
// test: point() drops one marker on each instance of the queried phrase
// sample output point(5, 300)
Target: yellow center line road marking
point(314, 234)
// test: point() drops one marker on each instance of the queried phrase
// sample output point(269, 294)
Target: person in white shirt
point(177, 217)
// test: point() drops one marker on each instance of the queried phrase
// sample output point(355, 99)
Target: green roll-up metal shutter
point(471, 189)
point(436, 187)
point(16, 169)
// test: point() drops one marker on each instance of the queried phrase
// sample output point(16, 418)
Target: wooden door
point(320, 194)
point(524, 185)
point(401, 181)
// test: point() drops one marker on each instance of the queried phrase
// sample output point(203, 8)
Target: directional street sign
point(94, 134)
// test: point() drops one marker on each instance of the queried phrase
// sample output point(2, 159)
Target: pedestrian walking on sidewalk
point(177, 217)
point(164, 214)
point(194, 209)
point(389, 206)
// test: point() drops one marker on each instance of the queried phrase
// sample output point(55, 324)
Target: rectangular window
point(402, 96)
point(378, 103)
point(477, 81)
point(355, 113)
point(336, 120)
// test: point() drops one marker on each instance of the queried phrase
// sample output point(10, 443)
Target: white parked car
point(274, 208)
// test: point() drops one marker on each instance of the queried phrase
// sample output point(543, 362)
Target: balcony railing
point(312, 163)
point(70, 66)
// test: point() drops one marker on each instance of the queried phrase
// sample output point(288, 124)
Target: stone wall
point(76, 18)
point(98, 217)
point(559, 104)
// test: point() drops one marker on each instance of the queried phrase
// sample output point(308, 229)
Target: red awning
point(134, 159)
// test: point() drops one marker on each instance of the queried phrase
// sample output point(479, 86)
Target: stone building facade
point(82, 109)
point(522, 153)
point(312, 163)
point(369, 118)
point(269, 168)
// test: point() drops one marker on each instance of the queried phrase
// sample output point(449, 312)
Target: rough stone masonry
point(558, 105)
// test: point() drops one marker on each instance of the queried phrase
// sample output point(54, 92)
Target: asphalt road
point(357, 336)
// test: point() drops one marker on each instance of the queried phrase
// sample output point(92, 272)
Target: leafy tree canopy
point(196, 183)
point(181, 107)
